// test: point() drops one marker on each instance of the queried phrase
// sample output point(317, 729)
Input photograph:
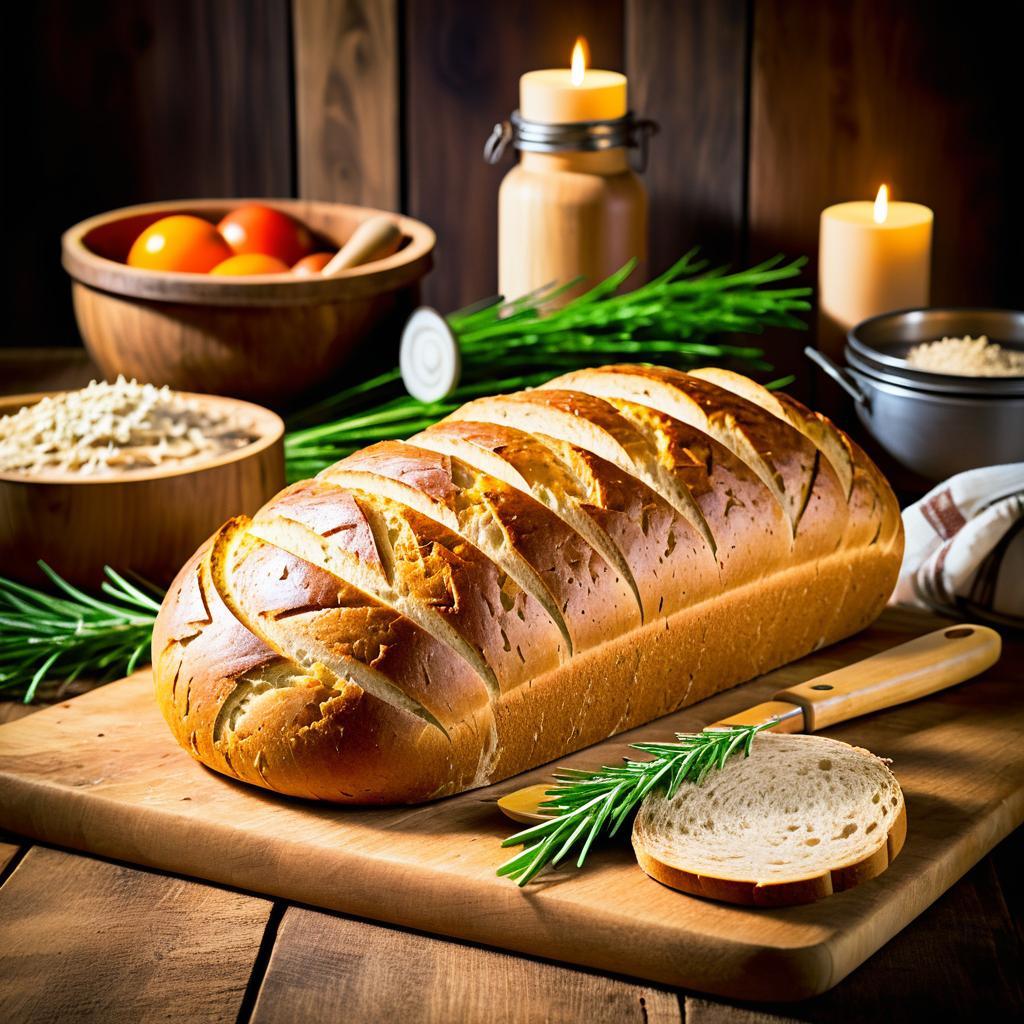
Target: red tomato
point(182, 243)
point(250, 263)
point(311, 266)
point(259, 229)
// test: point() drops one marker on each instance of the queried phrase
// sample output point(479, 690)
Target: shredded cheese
point(967, 357)
point(115, 428)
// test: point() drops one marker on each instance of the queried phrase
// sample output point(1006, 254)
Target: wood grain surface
point(960, 960)
point(464, 63)
point(346, 101)
point(131, 793)
point(120, 104)
point(687, 71)
point(8, 851)
point(326, 968)
point(780, 105)
point(87, 940)
point(847, 96)
point(267, 338)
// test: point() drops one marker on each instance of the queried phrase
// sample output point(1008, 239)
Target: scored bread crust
point(362, 638)
point(636, 530)
point(562, 570)
point(787, 462)
point(870, 517)
point(843, 872)
point(433, 573)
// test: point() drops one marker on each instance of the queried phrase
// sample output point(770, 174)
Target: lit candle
point(576, 93)
point(873, 258)
point(570, 212)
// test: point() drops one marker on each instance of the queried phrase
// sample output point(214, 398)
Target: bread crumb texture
point(797, 808)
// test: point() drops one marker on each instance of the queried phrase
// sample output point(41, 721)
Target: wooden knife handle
point(915, 669)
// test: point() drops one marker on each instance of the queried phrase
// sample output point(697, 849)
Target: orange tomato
point(312, 265)
point(182, 243)
point(256, 228)
point(250, 263)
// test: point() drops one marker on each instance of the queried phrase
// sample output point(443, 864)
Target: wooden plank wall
point(463, 62)
point(109, 103)
point(769, 110)
point(348, 145)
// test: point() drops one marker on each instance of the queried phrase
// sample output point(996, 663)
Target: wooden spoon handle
point(915, 669)
point(374, 239)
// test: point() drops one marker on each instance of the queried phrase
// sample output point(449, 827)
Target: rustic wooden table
point(84, 938)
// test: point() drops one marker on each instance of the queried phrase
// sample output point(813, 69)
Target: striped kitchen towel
point(965, 547)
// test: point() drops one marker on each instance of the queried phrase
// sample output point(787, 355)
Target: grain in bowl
point(967, 357)
point(116, 428)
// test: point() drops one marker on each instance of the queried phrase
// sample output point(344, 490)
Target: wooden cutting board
point(101, 773)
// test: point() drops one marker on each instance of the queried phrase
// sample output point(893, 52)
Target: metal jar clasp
point(628, 132)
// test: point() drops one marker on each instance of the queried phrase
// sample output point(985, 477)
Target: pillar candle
point(873, 258)
point(571, 213)
point(572, 94)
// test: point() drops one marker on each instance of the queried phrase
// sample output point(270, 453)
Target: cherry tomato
point(180, 242)
point(250, 263)
point(256, 228)
point(312, 265)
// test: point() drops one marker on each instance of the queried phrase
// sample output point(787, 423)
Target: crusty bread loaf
point(535, 573)
point(801, 818)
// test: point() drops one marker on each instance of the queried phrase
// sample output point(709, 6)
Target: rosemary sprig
point(44, 636)
point(587, 805)
point(506, 346)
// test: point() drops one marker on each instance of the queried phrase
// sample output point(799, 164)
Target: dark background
point(769, 110)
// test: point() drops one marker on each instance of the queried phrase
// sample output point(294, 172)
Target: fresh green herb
point(44, 636)
point(506, 346)
point(587, 805)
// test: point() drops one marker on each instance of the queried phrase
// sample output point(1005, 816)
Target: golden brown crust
point(312, 616)
point(503, 628)
point(642, 528)
point(787, 462)
point(874, 516)
point(591, 423)
point(578, 587)
point(371, 752)
point(346, 646)
point(242, 709)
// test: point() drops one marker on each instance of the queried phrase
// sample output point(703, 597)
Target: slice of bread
point(801, 818)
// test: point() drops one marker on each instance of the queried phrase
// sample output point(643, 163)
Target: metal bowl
point(935, 424)
point(879, 346)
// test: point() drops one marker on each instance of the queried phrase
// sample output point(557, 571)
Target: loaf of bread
point(536, 573)
point(803, 817)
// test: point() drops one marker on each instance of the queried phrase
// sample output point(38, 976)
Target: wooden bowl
point(270, 338)
point(148, 521)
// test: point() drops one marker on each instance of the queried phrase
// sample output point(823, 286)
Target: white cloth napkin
point(965, 546)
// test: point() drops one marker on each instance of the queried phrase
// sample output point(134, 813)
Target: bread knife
point(908, 672)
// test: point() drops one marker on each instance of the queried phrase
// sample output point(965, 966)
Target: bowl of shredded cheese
point(941, 390)
point(952, 350)
point(128, 475)
point(966, 357)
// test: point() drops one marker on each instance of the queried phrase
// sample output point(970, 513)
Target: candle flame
point(881, 204)
point(579, 61)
